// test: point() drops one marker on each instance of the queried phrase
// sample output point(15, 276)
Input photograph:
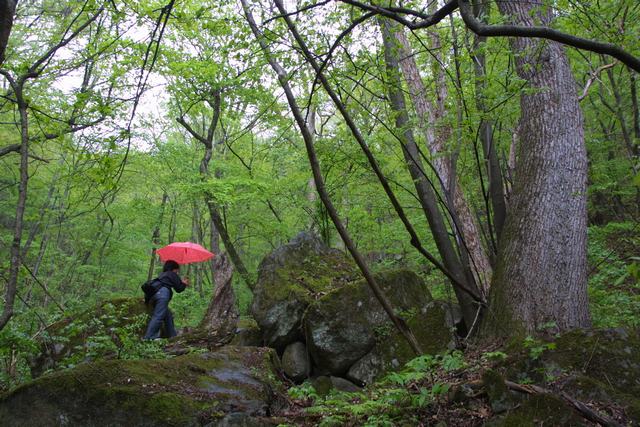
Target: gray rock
point(342, 384)
point(289, 279)
point(295, 361)
point(324, 384)
point(366, 369)
point(349, 323)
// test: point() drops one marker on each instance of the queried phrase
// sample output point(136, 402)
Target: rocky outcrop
point(289, 279)
point(232, 386)
point(348, 332)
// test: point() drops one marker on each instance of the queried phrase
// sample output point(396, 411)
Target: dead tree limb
point(579, 406)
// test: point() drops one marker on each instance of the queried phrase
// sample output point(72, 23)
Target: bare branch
point(37, 66)
point(594, 77)
point(394, 13)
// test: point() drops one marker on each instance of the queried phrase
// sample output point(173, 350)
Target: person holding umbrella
point(179, 252)
point(161, 314)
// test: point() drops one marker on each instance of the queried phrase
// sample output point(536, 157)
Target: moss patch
point(348, 323)
point(289, 279)
point(185, 390)
point(541, 410)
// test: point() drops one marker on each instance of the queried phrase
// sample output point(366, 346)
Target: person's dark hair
point(170, 266)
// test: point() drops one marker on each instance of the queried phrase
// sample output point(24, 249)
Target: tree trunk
point(425, 193)
point(16, 245)
point(492, 164)
point(214, 210)
point(7, 12)
point(222, 314)
point(541, 274)
point(436, 133)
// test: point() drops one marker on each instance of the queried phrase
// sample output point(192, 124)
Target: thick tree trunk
point(541, 274)
point(222, 314)
point(7, 12)
point(436, 133)
point(425, 193)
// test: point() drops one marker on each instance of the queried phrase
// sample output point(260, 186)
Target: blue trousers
point(161, 314)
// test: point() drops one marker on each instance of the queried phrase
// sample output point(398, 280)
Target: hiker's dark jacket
point(171, 280)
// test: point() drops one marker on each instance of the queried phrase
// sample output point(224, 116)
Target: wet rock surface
point(196, 389)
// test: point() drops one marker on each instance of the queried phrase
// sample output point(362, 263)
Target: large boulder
point(289, 279)
point(232, 386)
point(349, 327)
point(100, 331)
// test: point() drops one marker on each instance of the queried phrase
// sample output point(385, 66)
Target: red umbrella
point(184, 253)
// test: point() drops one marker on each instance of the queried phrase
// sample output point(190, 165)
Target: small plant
point(536, 348)
point(303, 392)
point(453, 361)
point(494, 356)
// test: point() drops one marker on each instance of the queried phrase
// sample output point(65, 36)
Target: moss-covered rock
point(500, 397)
point(101, 331)
point(289, 279)
point(600, 365)
point(247, 333)
point(188, 390)
point(540, 410)
point(349, 323)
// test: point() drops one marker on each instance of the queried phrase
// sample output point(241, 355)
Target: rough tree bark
point(541, 273)
point(222, 314)
point(7, 12)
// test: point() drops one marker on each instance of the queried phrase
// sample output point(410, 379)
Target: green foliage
point(392, 400)
point(614, 288)
point(536, 348)
point(496, 356)
point(93, 206)
point(303, 391)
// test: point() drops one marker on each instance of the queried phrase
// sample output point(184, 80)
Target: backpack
point(150, 287)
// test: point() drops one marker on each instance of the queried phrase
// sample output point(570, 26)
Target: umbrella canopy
point(184, 253)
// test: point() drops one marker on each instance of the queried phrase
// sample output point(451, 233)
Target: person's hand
point(185, 281)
